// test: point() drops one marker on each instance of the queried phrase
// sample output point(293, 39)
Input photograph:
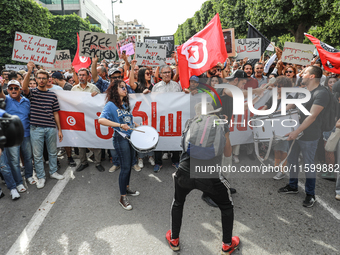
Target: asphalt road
point(81, 215)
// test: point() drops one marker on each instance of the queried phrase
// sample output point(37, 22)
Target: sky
point(161, 17)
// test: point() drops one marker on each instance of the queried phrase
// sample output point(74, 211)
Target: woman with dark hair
point(70, 79)
point(144, 81)
point(212, 81)
point(329, 82)
point(33, 83)
point(290, 72)
point(117, 114)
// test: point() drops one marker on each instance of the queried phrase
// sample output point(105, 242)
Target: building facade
point(130, 28)
point(83, 8)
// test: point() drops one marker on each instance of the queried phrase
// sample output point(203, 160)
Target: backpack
point(330, 113)
point(201, 140)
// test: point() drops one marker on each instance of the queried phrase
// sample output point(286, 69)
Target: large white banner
point(167, 112)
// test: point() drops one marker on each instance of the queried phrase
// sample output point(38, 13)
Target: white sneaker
point(236, 159)
point(136, 167)
point(41, 183)
point(279, 176)
point(337, 197)
point(152, 161)
point(57, 176)
point(113, 168)
point(165, 156)
point(15, 195)
point(140, 163)
point(31, 181)
point(21, 188)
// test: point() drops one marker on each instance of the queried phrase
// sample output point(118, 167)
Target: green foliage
point(23, 16)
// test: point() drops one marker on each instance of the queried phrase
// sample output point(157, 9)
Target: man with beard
point(44, 124)
point(308, 142)
point(258, 75)
point(252, 83)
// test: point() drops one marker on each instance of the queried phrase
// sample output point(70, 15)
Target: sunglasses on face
point(122, 87)
point(115, 77)
point(147, 73)
point(15, 88)
point(289, 72)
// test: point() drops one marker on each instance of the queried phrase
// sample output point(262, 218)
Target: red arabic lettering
point(99, 132)
point(137, 113)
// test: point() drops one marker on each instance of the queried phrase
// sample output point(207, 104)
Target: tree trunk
point(299, 33)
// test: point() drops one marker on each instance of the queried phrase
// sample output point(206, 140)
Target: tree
point(23, 16)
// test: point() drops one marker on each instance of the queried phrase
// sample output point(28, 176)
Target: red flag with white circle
point(72, 120)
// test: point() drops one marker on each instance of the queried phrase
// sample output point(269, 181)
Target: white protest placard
point(297, 53)
point(34, 48)
point(271, 47)
point(102, 45)
point(249, 47)
point(150, 54)
point(170, 61)
point(129, 49)
point(62, 60)
point(15, 67)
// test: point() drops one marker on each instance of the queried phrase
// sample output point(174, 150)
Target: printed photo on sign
point(229, 39)
point(34, 48)
point(102, 45)
point(297, 53)
point(249, 47)
point(150, 54)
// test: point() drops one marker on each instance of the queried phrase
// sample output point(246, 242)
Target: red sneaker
point(229, 249)
point(174, 243)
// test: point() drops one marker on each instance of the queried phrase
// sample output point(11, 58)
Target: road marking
point(21, 244)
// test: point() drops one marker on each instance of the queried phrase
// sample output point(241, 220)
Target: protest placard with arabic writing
point(34, 48)
point(249, 47)
point(102, 45)
point(297, 53)
point(150, 54)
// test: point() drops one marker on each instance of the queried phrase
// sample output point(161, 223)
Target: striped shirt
point(43, 105)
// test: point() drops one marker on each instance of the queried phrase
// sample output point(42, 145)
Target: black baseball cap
point(237, 74)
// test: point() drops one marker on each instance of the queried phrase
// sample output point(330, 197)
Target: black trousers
point(174, 158)
point(214, 188)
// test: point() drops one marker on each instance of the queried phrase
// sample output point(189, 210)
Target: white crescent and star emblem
point(196, 53)
point(71, 120)
point(83, 59)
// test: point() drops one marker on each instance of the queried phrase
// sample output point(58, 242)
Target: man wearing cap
point(85, 86)
point(20, 106)
point(58, 79)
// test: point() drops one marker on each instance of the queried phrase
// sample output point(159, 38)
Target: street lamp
point(113, 18)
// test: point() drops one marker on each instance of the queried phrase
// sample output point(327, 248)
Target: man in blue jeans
point(44, 124)
point(307, 144)
point(20, 106)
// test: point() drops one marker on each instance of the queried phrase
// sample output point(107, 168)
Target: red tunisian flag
point(72, 120)
point(330, 57)
point(202, 51)
point(79, 61)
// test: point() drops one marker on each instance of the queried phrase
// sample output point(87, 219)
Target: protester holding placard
point(45, 124)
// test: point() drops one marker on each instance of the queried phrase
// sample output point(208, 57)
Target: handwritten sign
point(229, 41)
point(102, 45)
point(297, 53)
point(34, 48)
point(271, 47)
point(170, 61)
point(121, 43)
point(168, 40)
point(62, 60)
point(150, 54)
point(16, 67)
point(128, 48)
point(249, 47)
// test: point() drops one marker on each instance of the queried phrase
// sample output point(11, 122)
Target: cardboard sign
point(102, 45)
point(62, 60)
point(129, 48)
point(249, 47)
point(150, 54)
point(271, 47)
point(15, 67)
point(229, 40)
point(34, 48)
point(170, 61)
point(168, 40)
point(297, 53)
point(131, 39)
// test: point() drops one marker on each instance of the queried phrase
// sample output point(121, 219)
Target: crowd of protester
point(24, 93)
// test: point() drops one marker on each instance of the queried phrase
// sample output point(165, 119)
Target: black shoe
point(81, 167)
point(251, 156)
point(208, 200)
point(309, 201)
point(288, 190)
point(71, 162)
point(232, 190)
point(100, 168)
point(133, 193)
point(1, 194)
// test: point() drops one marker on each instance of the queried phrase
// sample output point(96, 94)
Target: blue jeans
point(142, 155)
point(125, 154)
point(308, 149)
point(115, 158)
point(38, 136)
point(6, 171)
point(13, 155)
